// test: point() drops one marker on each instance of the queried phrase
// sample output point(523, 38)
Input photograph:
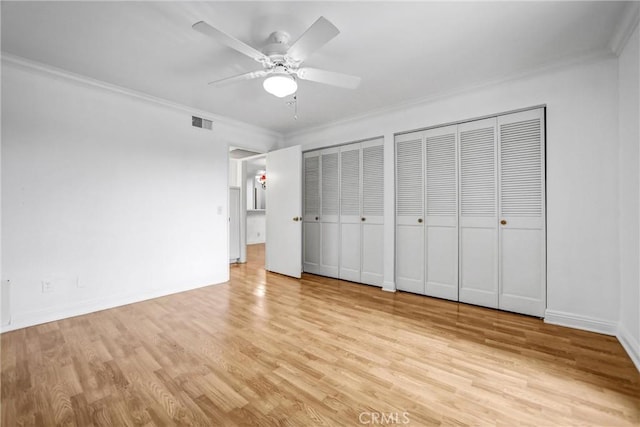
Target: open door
point(284, 218)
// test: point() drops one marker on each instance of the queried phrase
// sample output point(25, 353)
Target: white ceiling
point(402, 50)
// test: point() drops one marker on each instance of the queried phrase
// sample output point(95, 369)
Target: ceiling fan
point(281, 61)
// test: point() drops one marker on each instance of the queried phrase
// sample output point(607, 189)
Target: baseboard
point(388, 286)
point(630, 344)
point(578, 321)
point(19, 321)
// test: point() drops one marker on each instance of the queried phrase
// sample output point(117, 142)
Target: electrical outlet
point(79, 284)
point(47, 286)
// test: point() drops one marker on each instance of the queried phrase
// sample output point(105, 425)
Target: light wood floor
point(265, 349)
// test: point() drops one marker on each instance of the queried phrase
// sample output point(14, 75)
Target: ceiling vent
point(199, 122)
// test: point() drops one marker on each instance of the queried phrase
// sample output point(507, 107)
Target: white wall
point(110, 190)
point(582, 176)
point(234, 173)
point(256, 227)
point(629, 133)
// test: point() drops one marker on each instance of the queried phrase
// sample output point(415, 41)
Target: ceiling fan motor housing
point(277, 44)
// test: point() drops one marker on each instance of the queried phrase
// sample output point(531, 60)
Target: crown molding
point(626, 27)
point(19, 61)
point(585, 58)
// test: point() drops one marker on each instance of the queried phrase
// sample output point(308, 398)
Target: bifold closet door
point(372, 212)
point(311, 215)
point(350, 201)
point(330, 211)
point(478, 267)
point(409, 212)
point(441, 213)
point(522, 212)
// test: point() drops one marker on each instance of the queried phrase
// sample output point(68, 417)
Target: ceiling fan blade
point(232, 42)
point(240, 77)
point(329, 77)
point(316, 36)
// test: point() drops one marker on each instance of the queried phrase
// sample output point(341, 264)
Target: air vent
point(199, 122)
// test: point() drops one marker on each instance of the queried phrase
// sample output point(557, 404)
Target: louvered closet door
point(409, 213)
point(350, 200)
point(522, 212)
point(478, 213)
point(330, 211)
point(372, 212)
point(442, 213)
point(311, 213)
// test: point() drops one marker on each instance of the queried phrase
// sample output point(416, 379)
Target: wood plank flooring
point(266, 350)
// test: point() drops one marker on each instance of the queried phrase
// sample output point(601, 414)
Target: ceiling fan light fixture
point(280, 85)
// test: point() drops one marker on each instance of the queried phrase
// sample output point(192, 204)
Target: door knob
point(503, 222)
point(295, 218)
point(317, 218)
point(420, 220)
point(363, 219)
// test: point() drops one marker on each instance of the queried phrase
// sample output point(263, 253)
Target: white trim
point(624, 30)
point(216, 119)
point(630, 344)
point(23, 320)
point(578, 321)
point(588, 57)
point(388, 286)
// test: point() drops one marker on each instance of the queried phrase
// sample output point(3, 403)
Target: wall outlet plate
point(47, 286)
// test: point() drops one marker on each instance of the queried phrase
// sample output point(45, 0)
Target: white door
point(283, 250)
point(478, 274)
point(522, 212)
point(330, 212)
point(441, 213)
point(350, 212)
point(311, 217)
point(372, 220)
point(234, 224)
point(409, 213)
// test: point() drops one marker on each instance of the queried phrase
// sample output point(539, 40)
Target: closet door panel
point(372, 254)
point(330, 211)
point(442, 262)
point(522, 207)
point(350, 210)
point(410, 257)
point(478, 267)
point(311, 213)
point(311, 248)
point(350, 261)
point(372, 219)
point(441, 213)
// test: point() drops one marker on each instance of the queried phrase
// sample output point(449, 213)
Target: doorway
point(247, 173)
